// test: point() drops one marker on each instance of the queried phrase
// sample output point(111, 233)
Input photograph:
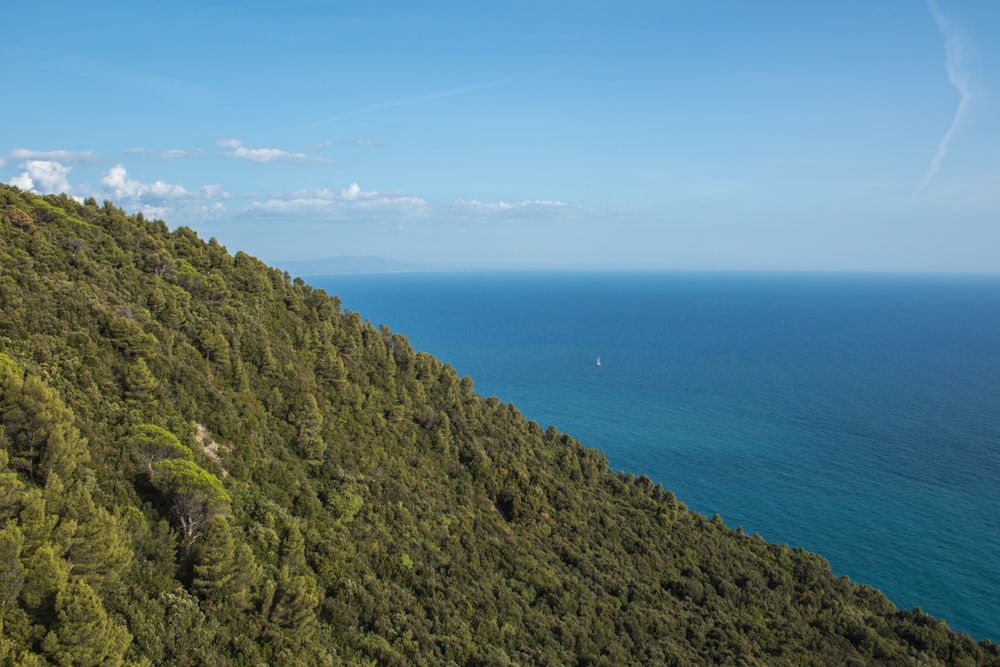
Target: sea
point(854, 415)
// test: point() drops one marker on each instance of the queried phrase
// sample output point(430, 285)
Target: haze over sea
point(857, 416)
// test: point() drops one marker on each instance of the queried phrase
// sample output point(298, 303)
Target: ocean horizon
point(854, 415)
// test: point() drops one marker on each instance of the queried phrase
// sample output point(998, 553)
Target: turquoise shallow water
point(857, 416)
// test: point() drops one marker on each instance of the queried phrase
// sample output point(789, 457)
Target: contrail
point(954, 49)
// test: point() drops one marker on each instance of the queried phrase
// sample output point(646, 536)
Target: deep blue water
point(857, 416)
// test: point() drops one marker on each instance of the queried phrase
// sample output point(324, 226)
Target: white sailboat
point(598, 361)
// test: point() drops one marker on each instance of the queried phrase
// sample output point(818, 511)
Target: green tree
point(46, 574)
point(128, 336)
point(99, 552)
point(293, 551)
point(83, 635)
point(11, 488)
point(151, 444)
point(295, 605)
point(197, 495)
point(225, 571)
point(308, 422)
point(11, 570)
point(37, 424)
point(140, 384)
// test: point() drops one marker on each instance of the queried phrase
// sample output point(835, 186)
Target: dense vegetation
point(204, 462)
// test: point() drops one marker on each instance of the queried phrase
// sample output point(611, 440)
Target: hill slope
point(203, 462)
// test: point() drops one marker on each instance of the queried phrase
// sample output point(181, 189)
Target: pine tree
point(225, 571)
point(37, 424)
point(99, 552)
point(11, 570)
point(140, 384)
point(151, 443)
point(197, 494)
point(11, 488)
point(297, 596)
point(83, 635)
point(296, 601)
point(308, 421)
point(46, 574)
point(293, 551)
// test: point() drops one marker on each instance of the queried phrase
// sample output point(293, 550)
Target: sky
point(767, 135)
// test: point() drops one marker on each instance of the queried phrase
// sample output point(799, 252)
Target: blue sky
point(851, 135)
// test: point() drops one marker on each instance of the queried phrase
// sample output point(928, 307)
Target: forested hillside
point(205, 462)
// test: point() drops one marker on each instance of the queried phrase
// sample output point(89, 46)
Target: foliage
point(203, 461)
point(197, 495)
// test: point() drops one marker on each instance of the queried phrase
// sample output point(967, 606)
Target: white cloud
point(23, 181)
point(349, 203)
point(42, 176)
point(54, 156)
point(955, 48)
point(3, 163)
point(353, 191)
point(117, 182)
point(175, 153)
point(164, 200)
point(241, 152)
point(475, 204)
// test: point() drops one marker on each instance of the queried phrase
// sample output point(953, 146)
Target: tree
point(295, 604)
point(20, 219)
point(197, 494)
point(308, 421)
point(37, 424)
point(225, 571)
point(10, 486)
point(83, 634)
point(99, 550)
point(46, 574)
point(140, 384)
point(159, 261)
point(129, 337)
point(151, 444)
point(11, 569)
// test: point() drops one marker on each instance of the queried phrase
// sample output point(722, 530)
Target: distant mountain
point(348, 264)
point(204, 461)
